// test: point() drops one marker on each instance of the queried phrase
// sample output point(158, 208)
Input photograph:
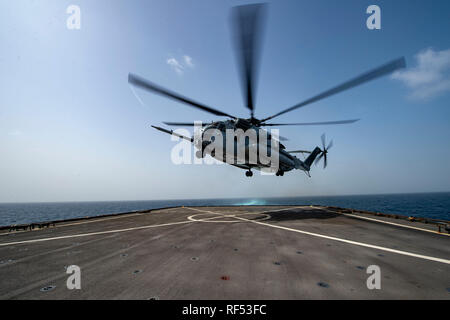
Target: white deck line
point(405, 253)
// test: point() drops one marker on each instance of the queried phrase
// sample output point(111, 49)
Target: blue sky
point(71, 128)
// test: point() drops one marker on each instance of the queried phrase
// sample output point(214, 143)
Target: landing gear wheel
point(199, 154)
point(248, 173)
point(279, 173)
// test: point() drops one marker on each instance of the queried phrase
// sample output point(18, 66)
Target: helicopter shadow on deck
point(300, 214)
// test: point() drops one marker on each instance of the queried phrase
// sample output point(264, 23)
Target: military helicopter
point(247, 23)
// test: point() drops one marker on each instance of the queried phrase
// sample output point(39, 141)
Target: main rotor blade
point(280, 138)
point(191, 124)
point(247, 22)
point(183, 124)
point(173, 133)
point(368, 76)
point(298, 151)
point(147, 85)
point(309, 123)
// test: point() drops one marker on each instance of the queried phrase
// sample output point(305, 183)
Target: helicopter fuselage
point(253, 147)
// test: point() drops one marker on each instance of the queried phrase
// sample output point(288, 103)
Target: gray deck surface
point(245, 252)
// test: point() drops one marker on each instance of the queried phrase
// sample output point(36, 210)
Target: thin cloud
point(180, 66)
point(188, 61)
point(430, 77)
point(175, 65)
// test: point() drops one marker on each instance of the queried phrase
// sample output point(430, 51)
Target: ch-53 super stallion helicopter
point(247, 25)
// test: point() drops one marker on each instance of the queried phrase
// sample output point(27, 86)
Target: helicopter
point(247, 23)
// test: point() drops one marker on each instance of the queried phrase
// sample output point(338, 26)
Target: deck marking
point(99, 219)
point(348, 241)
point(352, 242)
point(94, 233)
point(72, 246)
point(382, 221)
point(221, 215)
point(96, 220)
point(73, 224)
point(101, 232)
point(126, 215)
point(244, 213)
point(395, 224)
point(371, 219)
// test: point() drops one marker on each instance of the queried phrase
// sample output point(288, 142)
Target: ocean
point(427, 205)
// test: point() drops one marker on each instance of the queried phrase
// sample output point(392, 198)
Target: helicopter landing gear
point(279, 173)
point(249, 173)
point(199, 154)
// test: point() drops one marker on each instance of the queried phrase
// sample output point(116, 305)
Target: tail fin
point(308, 162)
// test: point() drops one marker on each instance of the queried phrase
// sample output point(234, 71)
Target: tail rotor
point(324, 152)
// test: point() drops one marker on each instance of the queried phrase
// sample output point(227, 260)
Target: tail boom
point(308, 162)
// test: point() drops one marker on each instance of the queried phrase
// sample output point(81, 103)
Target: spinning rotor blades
point(149, 86)
point(365, 77)
point(247, 22)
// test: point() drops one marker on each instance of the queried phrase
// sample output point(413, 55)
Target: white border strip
point(93, 233)
point(393, 223)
